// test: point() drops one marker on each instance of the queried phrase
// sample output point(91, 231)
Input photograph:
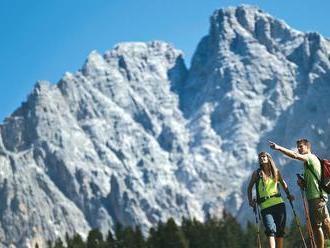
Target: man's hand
point(301, 183)
point(273, 145)
point(253, 203)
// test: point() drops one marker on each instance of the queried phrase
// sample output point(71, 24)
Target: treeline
point(214, 233)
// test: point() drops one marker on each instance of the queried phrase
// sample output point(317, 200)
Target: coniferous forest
point(214, 233)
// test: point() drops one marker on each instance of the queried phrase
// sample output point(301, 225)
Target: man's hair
point(304, 142)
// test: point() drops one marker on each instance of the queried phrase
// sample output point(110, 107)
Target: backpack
point(324, 183)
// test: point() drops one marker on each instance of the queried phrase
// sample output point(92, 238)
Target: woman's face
point(263, 159)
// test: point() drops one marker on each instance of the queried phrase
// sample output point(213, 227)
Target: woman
point(267, 179)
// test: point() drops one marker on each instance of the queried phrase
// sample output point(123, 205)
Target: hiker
point(267, 177)
point(317, 198)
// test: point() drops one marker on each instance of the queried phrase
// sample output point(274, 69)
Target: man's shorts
point(274, 219)
point(318, 211)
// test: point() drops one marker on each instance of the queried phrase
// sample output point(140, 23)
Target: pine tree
point(59, 243)
point(95, 239)
point(129, 238)
point(119, 235)
point(230, 231)
point(139, 239)
point(49, 244)
point(76, 242)
point(293, 238)
point(154, 240)
point(110, 241)
point(249, 239)
point(194, 231)
point(173, 236)
point(212, 233)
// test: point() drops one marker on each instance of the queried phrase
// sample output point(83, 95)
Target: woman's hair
point(273, 168)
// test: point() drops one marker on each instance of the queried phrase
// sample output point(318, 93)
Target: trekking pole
point(297, 222)
point(308, 220)
point(257, 215)
point(258, 211)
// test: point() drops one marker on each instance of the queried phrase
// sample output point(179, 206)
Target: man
point(317, 199)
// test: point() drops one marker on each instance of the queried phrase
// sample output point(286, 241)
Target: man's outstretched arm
point(286, 151)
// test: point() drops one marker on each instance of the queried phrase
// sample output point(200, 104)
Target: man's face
point(302, 148)
point(263, 159)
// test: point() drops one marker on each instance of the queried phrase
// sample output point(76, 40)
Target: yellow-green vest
point(268, 193)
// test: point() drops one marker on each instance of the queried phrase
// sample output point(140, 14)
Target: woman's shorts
point(274, 219)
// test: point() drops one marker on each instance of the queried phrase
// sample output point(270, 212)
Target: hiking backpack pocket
point(325, 175)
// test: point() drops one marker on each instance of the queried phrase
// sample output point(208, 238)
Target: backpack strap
point(259, 177)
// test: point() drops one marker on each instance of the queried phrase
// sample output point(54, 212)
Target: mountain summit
point(135, 137)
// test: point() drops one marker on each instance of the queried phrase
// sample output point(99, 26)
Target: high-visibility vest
point(268, 193)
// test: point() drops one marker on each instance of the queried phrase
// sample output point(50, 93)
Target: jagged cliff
point(135, 137)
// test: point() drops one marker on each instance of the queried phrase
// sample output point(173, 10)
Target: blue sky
point(41, 40)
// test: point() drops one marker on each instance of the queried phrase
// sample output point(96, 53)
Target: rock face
point(135, 137)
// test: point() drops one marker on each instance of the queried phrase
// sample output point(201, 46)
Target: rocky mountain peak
point(135, 137)
point(248, 21)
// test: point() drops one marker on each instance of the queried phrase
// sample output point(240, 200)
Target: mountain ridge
point(136, 137)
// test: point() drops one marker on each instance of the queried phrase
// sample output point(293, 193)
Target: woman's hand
point(291, 197)
point(253, 203)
